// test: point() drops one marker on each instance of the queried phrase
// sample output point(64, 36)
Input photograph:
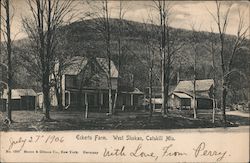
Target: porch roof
point(135, 91)
point(182, 95)
point(18, 93)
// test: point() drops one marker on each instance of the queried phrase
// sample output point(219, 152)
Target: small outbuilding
point(180, 100)
point(183, 94)
point(21, 99)
point(131, 98)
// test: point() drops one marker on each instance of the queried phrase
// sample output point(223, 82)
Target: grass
point(74, 120)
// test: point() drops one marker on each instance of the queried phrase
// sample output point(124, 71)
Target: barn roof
point(202, 88)
point(18, 93)
point(77, 64)
point(188, 86)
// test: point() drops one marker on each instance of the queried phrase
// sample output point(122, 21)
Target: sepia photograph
point(124, 70)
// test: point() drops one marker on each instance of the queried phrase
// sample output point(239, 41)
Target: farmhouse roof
point(77, 64)
point(103, 62)
point(188, 86)
point(18, 93)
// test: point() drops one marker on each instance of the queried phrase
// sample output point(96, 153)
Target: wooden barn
point(183, 94)
point(22, 99)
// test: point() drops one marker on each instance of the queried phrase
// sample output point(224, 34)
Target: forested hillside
point(81, 38)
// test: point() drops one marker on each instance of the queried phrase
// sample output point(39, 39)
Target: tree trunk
point(163, 51)
point(167, 71)
point(213, 114)
point(47, 64)
point(194, 85)
point(194, 100)
point(163, 81)
point(223, 102)
point(46, 95)
point(167, 90)
point(110, 87)
point(115, 100)
point(119, 66)
point(59, 98)
point(9, 61)
point(150, 92)
point(214, 88)
point(110, 102)
point(61, 95)
point(108, 55)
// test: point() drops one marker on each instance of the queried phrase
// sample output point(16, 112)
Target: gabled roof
point(202, 88)
point(188, 86)
point(77, 64)
point(103, 62)
point(18, 93)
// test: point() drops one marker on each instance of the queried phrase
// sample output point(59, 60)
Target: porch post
point(63, 99)
point(101, 99)
point(132, 100)
point(86, 104)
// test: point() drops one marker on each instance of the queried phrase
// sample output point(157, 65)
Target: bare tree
point(173, 47)
point(7, 35)
point(61, 63)
point(161, 6)
point(163, 10)
point(101, 12)
point(150, 56)
point(221, 18)
point(170, 45)
point(195, 46)
point(122, 12)
point(211, 48)
point(47, 16)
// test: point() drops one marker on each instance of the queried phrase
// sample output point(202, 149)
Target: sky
point(184, 14)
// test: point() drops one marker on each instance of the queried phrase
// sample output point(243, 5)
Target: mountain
point(81, 38)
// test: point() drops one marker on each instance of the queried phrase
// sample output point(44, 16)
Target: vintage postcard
point(124, 81)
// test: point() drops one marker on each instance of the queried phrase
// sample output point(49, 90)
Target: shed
point(133, 98)
point(182, 95)
point(180, 100)
point(21, 99)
